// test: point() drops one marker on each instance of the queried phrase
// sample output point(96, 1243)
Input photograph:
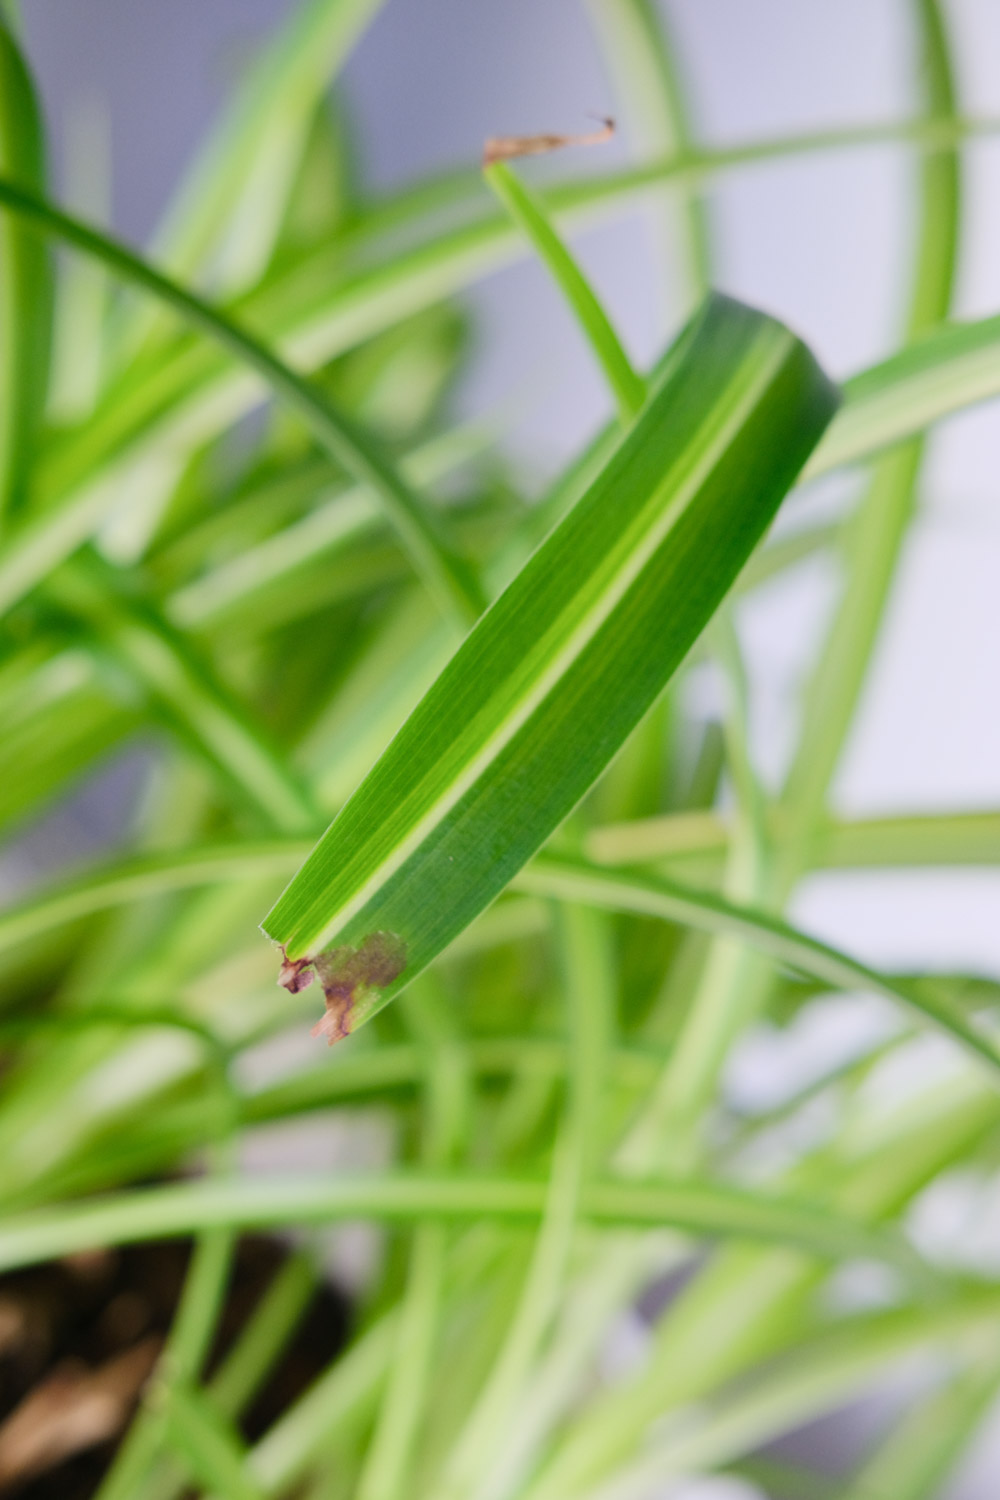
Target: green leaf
point(41, 544)
point(700, 1208)
point(226, 220)
point(329, 525)
point(149, 876)
point(529, 213)
point(921, 1451)
point(553, 679)
point(820, 1376)
point(617, 890)
point(314, 315)
point(25, 281)
point(649, 81)
point(970, 838)
point(58, 715)
point(186, 692)
point(314, 1423)
point(231, 205)
point(557, 878)
point(209, 1444)
point(82, 306)
point(262, 1339)
point(956, 366)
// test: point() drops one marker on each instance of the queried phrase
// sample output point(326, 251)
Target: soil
point(78, 1339)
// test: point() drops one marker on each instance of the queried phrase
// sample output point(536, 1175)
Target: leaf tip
point(509, 147)
point(350, 977)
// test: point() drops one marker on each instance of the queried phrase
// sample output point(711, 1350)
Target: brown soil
point(78, 1339)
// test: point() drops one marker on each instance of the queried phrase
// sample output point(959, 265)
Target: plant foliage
point(571, 886)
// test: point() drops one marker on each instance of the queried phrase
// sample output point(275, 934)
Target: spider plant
point(433, 732)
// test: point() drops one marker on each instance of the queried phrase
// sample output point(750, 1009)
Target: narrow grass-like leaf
point(384, 1070)
point(916, 1459)
point(546, 689)
point(233, 199)
point(528, 212)
point(314, 1423)
point(823, 1375)
point(180, 1364)
point(82, 292)
point(194, 703)
point(261, 1341)
point(232, 585)
point(484, 1443)
point(25, 280)
point(956, 366)
point(571, 880)
point(638, 50)
point(225, 222)
point(209, 1445)
point(152, 875)
point(874, 541)
point(971, 838)
point(261, 1202)
point(559, 878)
point(314, 318)
point(37, 547)
point(58, 716)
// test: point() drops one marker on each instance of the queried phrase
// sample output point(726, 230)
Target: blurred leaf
point(232, 203)
point(314, 309)
point(529, 213)
point(824, 1375)
point(925, 1446)
point(41, 544)
point(184, 689)
point(25, 281)
point(82, 299)
point(948, 370)
point(209, 1444)
point(968, 838)
point(618, 890)
point(249, 1202)
point(649, 83)
point(60, 716)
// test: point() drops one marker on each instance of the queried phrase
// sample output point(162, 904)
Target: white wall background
point(819, 241)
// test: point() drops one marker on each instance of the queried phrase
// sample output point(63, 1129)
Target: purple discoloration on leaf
point(348, 976)
point(295, 974)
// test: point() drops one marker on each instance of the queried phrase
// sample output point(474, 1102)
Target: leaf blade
point(25, 281)
point(714, 1210)
point(617, 890)
point(547, 687)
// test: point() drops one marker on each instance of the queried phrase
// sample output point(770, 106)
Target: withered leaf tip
point(509, 147)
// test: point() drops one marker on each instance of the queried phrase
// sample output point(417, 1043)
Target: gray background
point(819, 241)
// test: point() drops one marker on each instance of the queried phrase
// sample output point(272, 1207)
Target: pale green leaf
point(25, 280)
point(261, 1202)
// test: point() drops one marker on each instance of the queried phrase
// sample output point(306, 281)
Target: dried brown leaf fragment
point(348, 976)
point(73, 1409)
point(295, 974)
point(509, 147)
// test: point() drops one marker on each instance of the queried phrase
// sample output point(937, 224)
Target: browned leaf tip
point(295, 974)
point(350, 975)
point(508, 147)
